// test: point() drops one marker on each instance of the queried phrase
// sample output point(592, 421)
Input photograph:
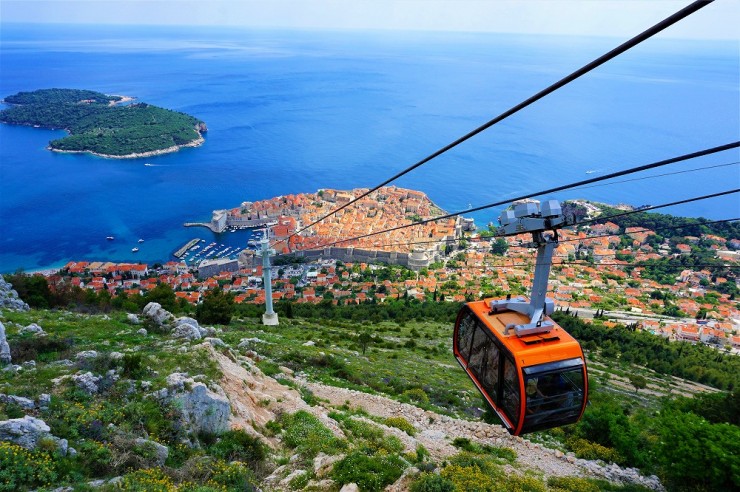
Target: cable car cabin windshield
point(534, 382)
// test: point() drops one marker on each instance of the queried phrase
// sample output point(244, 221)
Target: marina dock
point(184, 249)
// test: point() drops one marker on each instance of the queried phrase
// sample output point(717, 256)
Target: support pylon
point(270, 317)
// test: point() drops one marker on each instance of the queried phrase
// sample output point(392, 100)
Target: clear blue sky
point(721, 20)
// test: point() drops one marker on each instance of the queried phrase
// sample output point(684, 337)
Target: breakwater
point(184, 249)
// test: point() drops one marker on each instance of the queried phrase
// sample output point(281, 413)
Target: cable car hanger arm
point(529, 216)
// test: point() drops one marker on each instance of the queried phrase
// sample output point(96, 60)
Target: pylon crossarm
point(529, 217)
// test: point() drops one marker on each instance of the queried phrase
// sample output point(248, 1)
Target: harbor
point(223, 246)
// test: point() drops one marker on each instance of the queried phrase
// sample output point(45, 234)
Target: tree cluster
point(693, 362)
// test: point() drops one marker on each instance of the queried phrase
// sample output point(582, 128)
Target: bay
point(292, 112)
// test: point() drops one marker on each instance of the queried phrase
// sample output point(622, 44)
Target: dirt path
point(256, 399)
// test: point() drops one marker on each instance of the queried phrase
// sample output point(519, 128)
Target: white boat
point(134, 250)
point(110, 238)
point(141, 240)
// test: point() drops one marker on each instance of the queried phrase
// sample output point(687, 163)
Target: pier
point(181, 252)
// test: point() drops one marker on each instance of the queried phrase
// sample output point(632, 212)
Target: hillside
point(97, 124)
point(124, 401)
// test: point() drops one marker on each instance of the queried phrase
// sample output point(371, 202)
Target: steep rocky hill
point(117, 401)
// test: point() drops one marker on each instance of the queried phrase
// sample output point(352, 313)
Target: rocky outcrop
point(155, 313)
point(9, 298)
point(28, 431)
point(205, 411)
point(4, 347)
point(133, 319)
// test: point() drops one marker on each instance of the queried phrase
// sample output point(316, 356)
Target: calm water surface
point(292, 112)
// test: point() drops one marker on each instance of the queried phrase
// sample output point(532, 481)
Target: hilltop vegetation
point(657, 425)
point(99, 126)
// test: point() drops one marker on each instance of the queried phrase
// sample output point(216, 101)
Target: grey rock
point(157, 314)
point(141, 331)
point(12, 368)
point(44, 401)
point(309, 343)
point(176, 381)
point(25, 432)
point(350, 487)
point(87, 382)
point(63, 362)
point(216, 342)
point(4, 347)
point(294, 474)
point(24, 403)
point(133, 319)
point(184, 320)
point(325, 484)
point(71, 452)
point(86, 355)
point(63, 446)
point(185, 329)
point(204, 410)
point(115, 355)
point(160, 451)
point(9, 298)
point(29, 364)
point(323, 464)
point(248, 342)
point(34, 329)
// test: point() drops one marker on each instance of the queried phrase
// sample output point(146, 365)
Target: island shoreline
point(194, 143)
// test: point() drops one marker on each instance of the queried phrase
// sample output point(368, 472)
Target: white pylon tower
point(270, 317)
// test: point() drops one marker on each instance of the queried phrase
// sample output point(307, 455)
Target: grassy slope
point(391, 366)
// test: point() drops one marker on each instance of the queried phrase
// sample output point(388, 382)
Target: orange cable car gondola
point(529, 370)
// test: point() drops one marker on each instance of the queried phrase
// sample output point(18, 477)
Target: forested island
point(98, 124)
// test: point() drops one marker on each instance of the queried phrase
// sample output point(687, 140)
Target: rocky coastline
point(136, 155)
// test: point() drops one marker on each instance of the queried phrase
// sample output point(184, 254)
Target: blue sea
point(291, 112)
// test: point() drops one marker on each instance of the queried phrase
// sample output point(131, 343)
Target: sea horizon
point(293, 111)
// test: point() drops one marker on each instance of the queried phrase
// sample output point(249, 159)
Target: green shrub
point(370, 473)
point(572, 484)
point(133, 366)
point(237, 445)
point(401, 423)
point(149, 480)
point(431, 482)
point(95, 458)
point(593, 451)
point(268, 368)
point(416, 394)
point(520, 483)
point(11, 411)
point(504, 455)
point(468, 478)
point(20, 468)
point(308, 435)
point(231, 476)
point(41, 349)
